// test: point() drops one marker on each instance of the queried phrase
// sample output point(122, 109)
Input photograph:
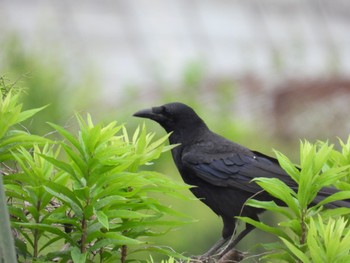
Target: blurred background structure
point(265, 48)
point(263, 73)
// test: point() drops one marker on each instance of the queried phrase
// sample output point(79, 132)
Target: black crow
point(219, 170)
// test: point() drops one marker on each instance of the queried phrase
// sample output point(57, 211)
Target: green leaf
point(77, 159)
point(329, 241)
point(11, 143)
point(68, 136)
point(82, 193)
point(296, 251)
point(280, 190)
point(155, 223)
point(24, 115)
point(63, 193)
point(126, 214)
point(317, 252)
point(293, 224)
point(77, 256)
point(114, 239)
point(50, 243)
point(18, 212)
point(341, 195)
point(48, 228)
point(88, 211)
point(64, 166)
point(21, 138)
point(341, 211)
point(264, 227)
point(271, 206)
point(288, 166)
point(141, 141)
point(103, 219)
point(332, 176)
point(92, 139)
point(109, 201)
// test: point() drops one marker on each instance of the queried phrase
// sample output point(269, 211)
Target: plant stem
point(84, 234)
point(84, 230)
point(36, 233)
point(123, 254)
point(101, 255)
point(303, 228)
point(36, 243)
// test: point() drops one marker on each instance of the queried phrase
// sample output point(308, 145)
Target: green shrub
point(308, 232)
point(85, 198)
point(11, 138)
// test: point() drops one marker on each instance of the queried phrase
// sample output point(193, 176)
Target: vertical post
point(7, 245)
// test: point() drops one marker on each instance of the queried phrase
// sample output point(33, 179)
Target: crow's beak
point(152, 113)
point(146, 113)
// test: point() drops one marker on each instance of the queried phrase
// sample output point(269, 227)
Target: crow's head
point(173, 117)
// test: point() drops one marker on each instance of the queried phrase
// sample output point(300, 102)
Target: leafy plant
point(96, 201)
point(308, 232)
point(11, 115)
point(86, 198)
point(11, 137)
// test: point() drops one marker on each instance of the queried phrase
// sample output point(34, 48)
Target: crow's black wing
point(236, 170)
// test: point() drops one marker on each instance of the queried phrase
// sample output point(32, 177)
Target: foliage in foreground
point(84, 198)
point(309, 233)
point(88, 199)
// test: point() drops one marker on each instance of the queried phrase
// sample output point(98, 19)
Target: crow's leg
point(227, 232)
point(212, 251)
point(233, 242)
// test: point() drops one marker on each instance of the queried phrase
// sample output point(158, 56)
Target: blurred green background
point(254, 74)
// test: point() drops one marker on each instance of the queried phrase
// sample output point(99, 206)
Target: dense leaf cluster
point(309, 233)
point(84, 198)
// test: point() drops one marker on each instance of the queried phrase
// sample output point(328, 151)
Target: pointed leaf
point(68, 136)
point(48, 228)
point(64, 166)
point(269, 205)
point(63, 193)
point(296, 251)
point(280, 190)
point(103, 219)
point(264, 227)
point(29, 113)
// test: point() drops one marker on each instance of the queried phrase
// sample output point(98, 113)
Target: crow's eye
point(162, 110)
point(166, 112)
point(158, 110)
